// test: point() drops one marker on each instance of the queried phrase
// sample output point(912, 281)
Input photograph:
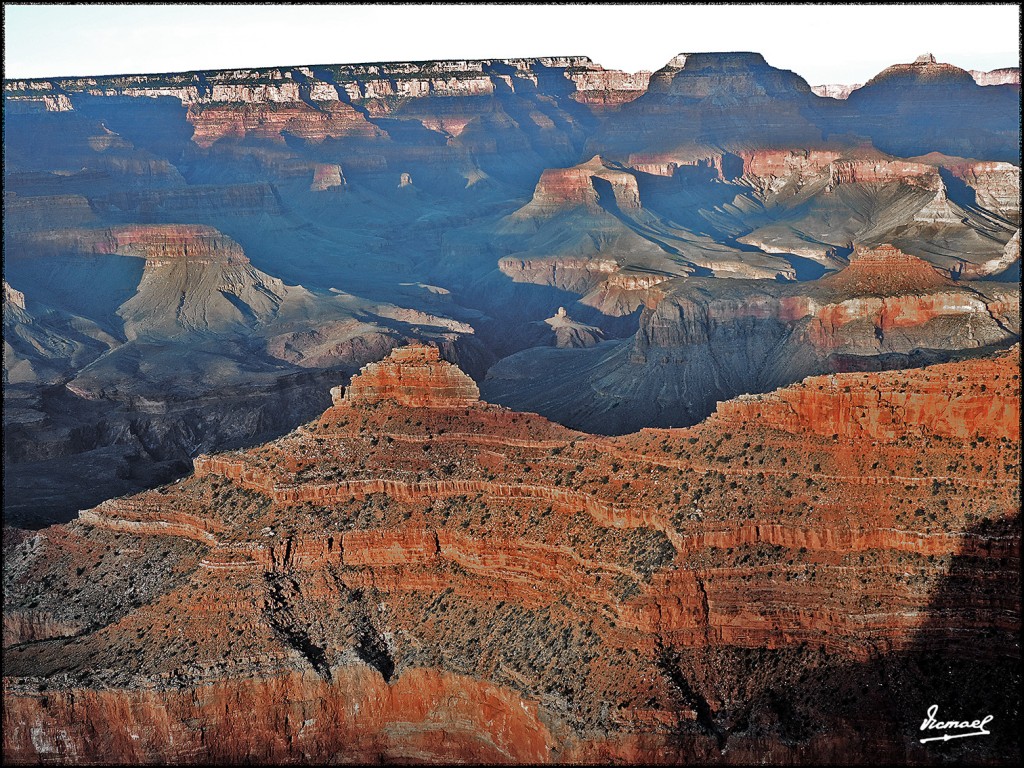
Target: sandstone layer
point(460, 582)
point(414, 377)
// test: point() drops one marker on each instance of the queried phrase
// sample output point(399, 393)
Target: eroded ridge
point(390, 569)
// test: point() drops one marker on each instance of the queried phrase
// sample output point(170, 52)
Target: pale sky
point(822, 43)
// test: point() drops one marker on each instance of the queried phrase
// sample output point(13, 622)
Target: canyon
point(198, 254)
point(420, 575)
point(511, 411)
point(699, 343)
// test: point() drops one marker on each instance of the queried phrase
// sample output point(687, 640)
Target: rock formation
point(582, 185)
point(996, 186)
point(778, 169)
point(606, 88)
point(930, 204)
point(13, 298)
point(142, 329)
point(886, 270)
point(460, 582)
point(272, 120)
point(698, 101)
point(699, 343)
point(42, 345)
point(1004, 76)
point(181, 257)
point(415, 377)
point(1002, 265)
point(939, 111)
point(327, 102)
point(835, 90)
point(157, 244)
point(569, 333)
point(801, 315)
point(940, 210)
point(38, 212)
point(327, 176)
point(561, 330)
point(861, 406)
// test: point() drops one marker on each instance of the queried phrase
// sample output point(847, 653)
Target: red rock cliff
point(415, 377)
point(582, 185)
point(392, 572)
point(938, 401)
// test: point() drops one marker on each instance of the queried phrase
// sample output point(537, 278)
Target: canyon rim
point(505, 411)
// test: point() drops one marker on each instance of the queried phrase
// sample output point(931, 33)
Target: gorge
point(511, 411)
point(186, 243)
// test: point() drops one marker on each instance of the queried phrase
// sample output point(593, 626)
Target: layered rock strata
point(770, 583)
point(138, 350)
point(699, 342)
point(582, 185)
point(1004, 76)
point(327, 176)
point(330, 102)
point(158, 244)
point(597, 87)
point(415, 377)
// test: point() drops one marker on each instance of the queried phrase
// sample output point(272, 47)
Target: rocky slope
point(699, 343)
point(41, 345)
point(421, 576)
point(196, 249)
point(168, 340)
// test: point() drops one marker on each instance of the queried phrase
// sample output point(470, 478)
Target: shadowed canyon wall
point(184, 244)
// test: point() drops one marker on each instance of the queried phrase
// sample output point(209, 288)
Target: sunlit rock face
point(417, 561)
point(415, 377)
point(510, 411)
point(1004, 76)
point(835, 90)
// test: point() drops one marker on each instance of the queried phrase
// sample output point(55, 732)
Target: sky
point(822, 43)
